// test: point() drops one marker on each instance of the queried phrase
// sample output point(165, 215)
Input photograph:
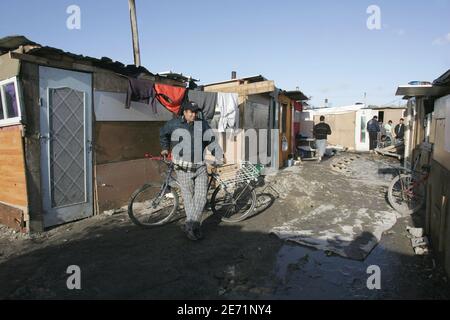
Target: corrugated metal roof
point(422, 90)
point(13, 42)
point(296, 95)
point(443, 80)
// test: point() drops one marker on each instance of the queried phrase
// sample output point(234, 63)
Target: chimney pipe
point(233, 74)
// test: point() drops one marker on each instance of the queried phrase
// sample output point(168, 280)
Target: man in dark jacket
point(400, 130)
point(188, 138)
point(373, 127)
point(321, 131)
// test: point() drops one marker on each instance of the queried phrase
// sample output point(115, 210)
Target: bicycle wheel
point(148, 207)
point(388, 141)
point(406, 194)
point(234, 205)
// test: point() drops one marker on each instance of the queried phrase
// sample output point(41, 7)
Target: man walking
point(373, 127)
point(321, 131)
point(188, 158)
point(400, 130)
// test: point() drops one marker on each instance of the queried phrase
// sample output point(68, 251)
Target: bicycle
point(385, 141)
point(406, 192)
point(234, 197)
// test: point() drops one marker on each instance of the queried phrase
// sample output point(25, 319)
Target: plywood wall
point(342, 129)
point(438, 212)
point(439, 153)
point(394, 115)
point(13, 188)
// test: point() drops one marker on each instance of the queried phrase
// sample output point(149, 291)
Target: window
point(363, 130)
point(10, 112)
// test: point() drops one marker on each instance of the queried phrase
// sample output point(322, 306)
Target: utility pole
point(134, 33)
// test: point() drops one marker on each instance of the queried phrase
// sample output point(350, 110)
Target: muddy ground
point(234, 261)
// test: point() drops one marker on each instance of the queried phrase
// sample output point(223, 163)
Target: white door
point(361, 133)
point(65, 134)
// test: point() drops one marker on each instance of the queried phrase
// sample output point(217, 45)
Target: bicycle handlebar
point(165, 159)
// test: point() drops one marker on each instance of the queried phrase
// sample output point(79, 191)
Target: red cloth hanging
point(298, 106)
point(171, 97)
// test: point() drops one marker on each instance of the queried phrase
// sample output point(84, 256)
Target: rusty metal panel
point(121, 141)
point(116, 181)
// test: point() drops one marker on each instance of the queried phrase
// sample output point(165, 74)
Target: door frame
point(54, 78)
point(368, 113)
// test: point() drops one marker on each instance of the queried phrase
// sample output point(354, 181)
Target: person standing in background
point(321, 131)
point(373, 128)
point(400, 130)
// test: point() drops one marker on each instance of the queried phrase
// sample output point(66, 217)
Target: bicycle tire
point(172, 206)
point(404, 208)
point(239, 217)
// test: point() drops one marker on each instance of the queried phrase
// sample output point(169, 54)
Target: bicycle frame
point(409, 190)
point(167, 184)
point(167, 181)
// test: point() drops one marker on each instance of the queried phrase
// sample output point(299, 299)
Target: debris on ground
point(234, 261)
point(395, 150)
point(416, 232)
point(419, 242)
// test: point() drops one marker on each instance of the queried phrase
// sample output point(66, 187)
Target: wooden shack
point(259, 97)
point(69, 148)
point(428, 135)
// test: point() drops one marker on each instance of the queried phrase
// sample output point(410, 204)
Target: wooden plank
point(428, 207)
point(32, 145)
point(244, 89)
point(442, 225)
point(439, 152)
point(12, 217)
point(50, 62)
point(12, 167)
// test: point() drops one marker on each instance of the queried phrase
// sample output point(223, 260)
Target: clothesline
point(218, 108)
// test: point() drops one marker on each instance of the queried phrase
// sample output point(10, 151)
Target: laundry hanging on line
point(206, 101)
point(228, 106)
point(140, 90)
point(170, 97)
